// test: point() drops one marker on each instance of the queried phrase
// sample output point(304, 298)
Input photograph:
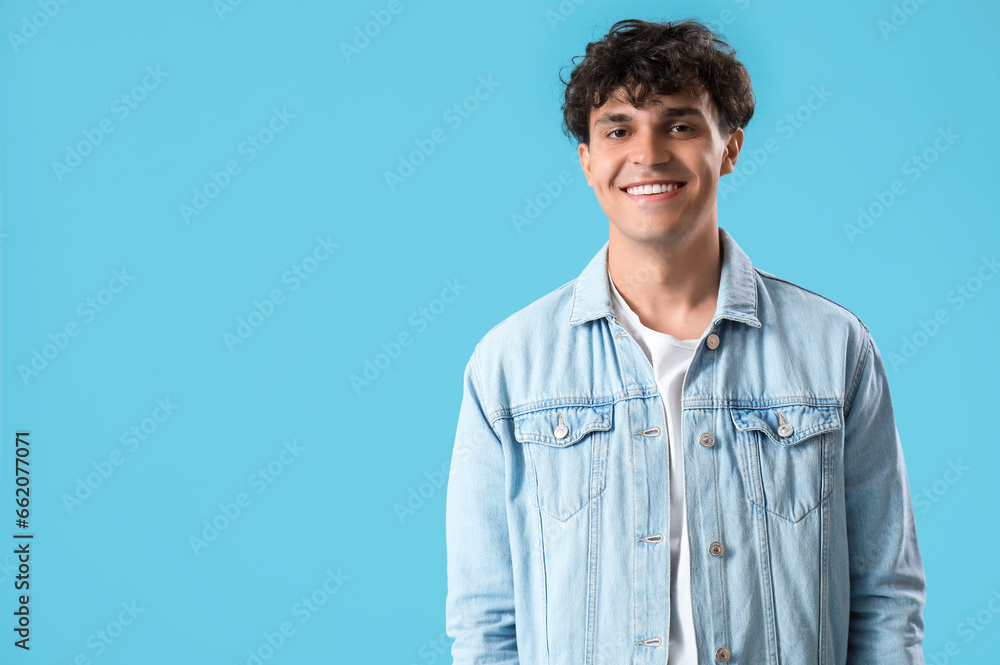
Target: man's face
point(671, 143)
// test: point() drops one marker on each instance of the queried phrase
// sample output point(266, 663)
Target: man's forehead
point(684, 102)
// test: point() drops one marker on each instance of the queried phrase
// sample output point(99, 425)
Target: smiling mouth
point(647, 190)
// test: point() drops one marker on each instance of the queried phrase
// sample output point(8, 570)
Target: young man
point(677, 457)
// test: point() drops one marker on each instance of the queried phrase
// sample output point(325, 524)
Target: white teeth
point(652, 189)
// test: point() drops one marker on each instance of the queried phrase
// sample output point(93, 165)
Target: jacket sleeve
point(886, 571)
point(480, 603)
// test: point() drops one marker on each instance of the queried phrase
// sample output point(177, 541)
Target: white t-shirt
point(670, 358)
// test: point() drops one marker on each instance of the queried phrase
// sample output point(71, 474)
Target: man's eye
point(612, 133)
point(685, 127)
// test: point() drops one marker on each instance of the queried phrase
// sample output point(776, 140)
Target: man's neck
point(671, 285)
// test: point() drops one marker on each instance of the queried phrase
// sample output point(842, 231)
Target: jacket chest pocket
point(565, 447)
point(789, 455)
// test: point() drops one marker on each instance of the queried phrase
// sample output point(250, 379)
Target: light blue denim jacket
point(803, 545)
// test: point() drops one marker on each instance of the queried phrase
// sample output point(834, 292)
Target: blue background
point(363, 494)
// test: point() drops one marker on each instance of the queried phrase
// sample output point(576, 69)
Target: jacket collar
point(737, 287)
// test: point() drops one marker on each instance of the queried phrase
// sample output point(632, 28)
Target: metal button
point(784, 429)
point(561, 431)
point(716, 549)
point(707, 440)
point(712, 341)
point(722, 655)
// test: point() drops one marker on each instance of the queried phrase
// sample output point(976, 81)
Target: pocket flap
point(542, 425)
point(805, 421)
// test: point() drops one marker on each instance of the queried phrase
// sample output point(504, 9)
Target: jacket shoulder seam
point(859, 365)
point(477, 383)
point(859, 370)
point(513, 314)
point(802, 288)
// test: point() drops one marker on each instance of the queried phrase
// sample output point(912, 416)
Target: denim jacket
point(800, 522)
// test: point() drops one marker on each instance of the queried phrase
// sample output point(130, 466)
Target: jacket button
point(722, 655)
point(561, 431)
point(784, 429)
point(716, 549)
point(707, 440)
point(712, 341)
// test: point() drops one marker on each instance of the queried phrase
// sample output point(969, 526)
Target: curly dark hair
point(657, 59)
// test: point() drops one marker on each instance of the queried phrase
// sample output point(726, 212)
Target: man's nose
point(649, 149)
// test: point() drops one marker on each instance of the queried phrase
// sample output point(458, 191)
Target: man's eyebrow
point(667, 113)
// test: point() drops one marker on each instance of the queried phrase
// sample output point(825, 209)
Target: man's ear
point(732, 151)
point(584, 151)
